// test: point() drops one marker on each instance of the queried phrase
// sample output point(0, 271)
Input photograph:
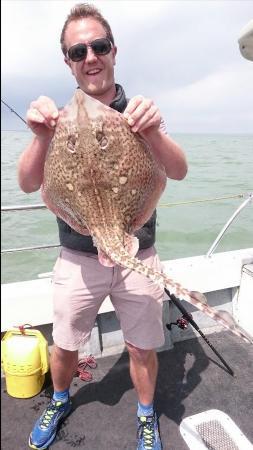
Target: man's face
point(94, 74)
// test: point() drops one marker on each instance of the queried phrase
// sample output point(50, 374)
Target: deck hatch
point(213, 430)
point(215, 436)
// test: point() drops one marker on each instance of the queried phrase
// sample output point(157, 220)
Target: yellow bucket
point(25, 361)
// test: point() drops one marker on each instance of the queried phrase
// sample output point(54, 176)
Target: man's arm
point(31, 165)
point(168, 153)
point(144, 117)
point(41, 118)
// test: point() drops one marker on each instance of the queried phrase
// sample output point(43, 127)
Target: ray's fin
point(199, 297)
point(131, 246)
point(104, 259)
point(223, 318)
point(234, 326)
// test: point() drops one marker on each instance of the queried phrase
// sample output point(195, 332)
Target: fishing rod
point(186, 317)
point(183, 324)
point(12, 110)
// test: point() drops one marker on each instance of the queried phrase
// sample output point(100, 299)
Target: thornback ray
point(104, 180)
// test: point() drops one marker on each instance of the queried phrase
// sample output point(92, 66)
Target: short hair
point(83, 11)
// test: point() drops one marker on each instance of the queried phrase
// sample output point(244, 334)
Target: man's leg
point(63, 365)
point(139, 305)
point(143, 371)
point(75, 309)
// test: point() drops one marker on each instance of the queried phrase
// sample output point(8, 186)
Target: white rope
point(189, 202)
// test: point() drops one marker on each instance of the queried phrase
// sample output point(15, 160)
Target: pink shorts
point(81, 284)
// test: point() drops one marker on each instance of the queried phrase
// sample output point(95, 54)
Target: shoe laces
point(146, 431)
point(49, 413)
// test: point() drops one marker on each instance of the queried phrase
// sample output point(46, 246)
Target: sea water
point(219, 166)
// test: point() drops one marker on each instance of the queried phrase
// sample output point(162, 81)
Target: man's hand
point(42, 117)
point(142, 115)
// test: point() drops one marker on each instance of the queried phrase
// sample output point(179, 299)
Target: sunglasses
point(99, 47)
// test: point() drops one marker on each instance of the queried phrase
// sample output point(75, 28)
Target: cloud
point(31, 31)
point(183, 54)
point(221, 101)
point(222, 88)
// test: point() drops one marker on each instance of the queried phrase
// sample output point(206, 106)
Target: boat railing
point(248, 198)
point(16, 208)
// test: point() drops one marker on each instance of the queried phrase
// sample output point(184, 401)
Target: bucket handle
point(22, 328)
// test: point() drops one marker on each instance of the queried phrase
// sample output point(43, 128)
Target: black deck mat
point(191, 380)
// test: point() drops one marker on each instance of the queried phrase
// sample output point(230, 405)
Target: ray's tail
point(120, 256)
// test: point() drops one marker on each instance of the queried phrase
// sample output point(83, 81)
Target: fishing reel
point(181, 323)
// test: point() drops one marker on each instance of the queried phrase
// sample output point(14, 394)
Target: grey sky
point(183, 54)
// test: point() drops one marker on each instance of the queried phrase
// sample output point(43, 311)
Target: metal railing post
point(220, 235)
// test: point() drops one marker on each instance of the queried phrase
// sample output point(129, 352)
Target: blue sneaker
point(45, 428)
point(148, 433)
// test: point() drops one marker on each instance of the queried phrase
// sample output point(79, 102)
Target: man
point(89, 51)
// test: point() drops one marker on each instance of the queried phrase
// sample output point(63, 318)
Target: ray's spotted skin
point(103, 180)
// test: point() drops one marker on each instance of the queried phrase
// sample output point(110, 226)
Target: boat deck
point(191, 380)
